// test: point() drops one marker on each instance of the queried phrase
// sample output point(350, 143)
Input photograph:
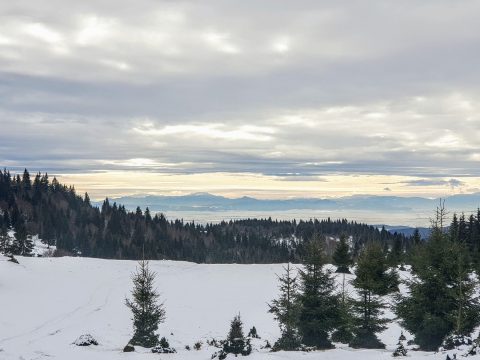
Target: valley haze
point(371, 209)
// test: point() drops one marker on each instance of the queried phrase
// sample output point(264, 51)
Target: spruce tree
point(462, 230)
point(453, 230)
point(236, 342)
point(344, 328)
point(441, 299)
point(343, 260)
point(147, 312)
point(396, 254)
point(373, 281)
point(472, 239)
point(286, 311)
point(4, 239)
point(27, 184)
point(86, 199)
point(401, 350)
point(22, 243)
point(318, 301)
point(416, 237)
point(467, 307)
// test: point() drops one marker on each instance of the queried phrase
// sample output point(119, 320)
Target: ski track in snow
point(62, 318)
point(200, 301)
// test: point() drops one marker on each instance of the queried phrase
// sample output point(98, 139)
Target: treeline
point(67, 220)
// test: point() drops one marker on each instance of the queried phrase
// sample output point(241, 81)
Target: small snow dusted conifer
point(236, 342)
point(401, 350)
point(147, 312)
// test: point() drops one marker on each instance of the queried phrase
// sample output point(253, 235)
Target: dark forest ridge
point(62, 218)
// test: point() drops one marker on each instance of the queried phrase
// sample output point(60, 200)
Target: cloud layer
point(297, 91)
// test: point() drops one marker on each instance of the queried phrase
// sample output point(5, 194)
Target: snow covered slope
point(46, 303)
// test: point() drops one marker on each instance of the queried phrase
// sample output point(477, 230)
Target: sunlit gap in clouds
point(121, 183)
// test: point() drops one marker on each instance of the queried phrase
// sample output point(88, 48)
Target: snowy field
point(46, 303)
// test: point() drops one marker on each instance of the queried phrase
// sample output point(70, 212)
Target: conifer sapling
point(286, 311)
point(236, 342)
point(373, 280)
point(148, 313)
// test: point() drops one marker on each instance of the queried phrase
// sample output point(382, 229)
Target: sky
point(271, 99)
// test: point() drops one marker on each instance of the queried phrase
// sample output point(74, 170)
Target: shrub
point(85, 340)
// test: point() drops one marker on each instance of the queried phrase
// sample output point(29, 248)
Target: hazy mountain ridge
point(209, 202)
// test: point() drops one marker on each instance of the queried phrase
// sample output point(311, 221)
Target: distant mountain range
point(199, 202)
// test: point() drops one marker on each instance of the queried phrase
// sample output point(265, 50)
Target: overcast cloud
point(297, 90)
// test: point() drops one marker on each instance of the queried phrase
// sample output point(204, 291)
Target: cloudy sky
point(263, 98)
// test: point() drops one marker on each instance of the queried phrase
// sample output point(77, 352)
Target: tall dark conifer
point(342, 257)
point(4, 238)
point(86, 199)
point(343, 260)
point(396, 254)
point(441, 298)
point(27, 185)
point(318, 301)
point(22, 243)
point(373, 281)
point(416, 237)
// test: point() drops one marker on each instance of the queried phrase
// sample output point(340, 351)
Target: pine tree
point(462, 230)
point(86, 199)
point(467, 307)
point(23, 243)
point(236, 342)
point(373, 280)
point(147, 312)
point(401, 350)
point(27, 184)
point(454, 229)
point(343, 260)
point(4, 239)
point(417, 239)
point(6, 245)
point(441, 298)
point(344, 328)
point(286, 311)
point(396, 254)
point(319, 304)
point(472, 238)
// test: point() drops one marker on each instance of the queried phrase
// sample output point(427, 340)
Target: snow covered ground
point(47, 303)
